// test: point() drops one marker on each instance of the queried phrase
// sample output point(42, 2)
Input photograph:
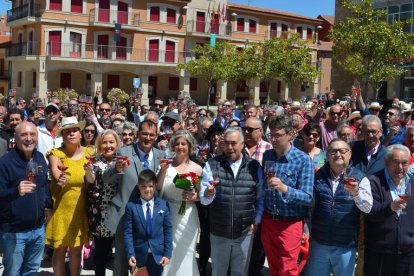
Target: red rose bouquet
point(187, 182)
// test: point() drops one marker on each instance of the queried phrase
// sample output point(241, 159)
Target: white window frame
point(279, 27)
point(305, 30)
point(247, 24)
point(163, 12)
point(162, 47)
point(111, 45)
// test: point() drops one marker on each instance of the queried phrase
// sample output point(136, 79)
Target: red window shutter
point(252, 26)
point(55, 5)
point(34, 80)
point(193, 84)
point(169, 51)
point(112, 81)
point(309, 34)
point(153, 54)
point(121, 48)
point(273, 29)
point(173, 83)
point(122, 13)
point(299, 30)
point(76, 6)
point(103, 14)
point(155, 14)
point(284, 31)
point(103, 41)
point(200, 23)
point(171, 14)
point(65, 80)
point(240, 24)
point(55, 38)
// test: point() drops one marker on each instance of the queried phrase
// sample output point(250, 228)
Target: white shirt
point(144, 207)
point(373, 151)
point(46, 142)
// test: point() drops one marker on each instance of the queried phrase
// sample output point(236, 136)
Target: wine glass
point(40, 107)
point(269, 169)
point(349, 179)
point(32, 170)
point(216, 179)
point(121, 158)
point(405, 193)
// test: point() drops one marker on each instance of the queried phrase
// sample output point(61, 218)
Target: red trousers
point(281, 242)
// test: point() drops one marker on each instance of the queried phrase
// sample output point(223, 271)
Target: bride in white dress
point(185, 227)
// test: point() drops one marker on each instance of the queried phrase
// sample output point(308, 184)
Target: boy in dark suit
point(148, 227)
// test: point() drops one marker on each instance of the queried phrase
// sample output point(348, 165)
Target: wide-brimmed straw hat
point(375, 105)
point(70, 122)
point(354, 115)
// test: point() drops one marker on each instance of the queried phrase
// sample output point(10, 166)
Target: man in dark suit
point(368, 155)
point(148, 227)
point(389, 234)
point(141, 155)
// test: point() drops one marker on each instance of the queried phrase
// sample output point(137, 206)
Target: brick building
point(97, 45)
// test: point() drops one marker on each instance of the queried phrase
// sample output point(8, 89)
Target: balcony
point(106, 16)
point(273, 33)
point(114, 53)
point(23, 49)
point(207, 27)
point(23, 11)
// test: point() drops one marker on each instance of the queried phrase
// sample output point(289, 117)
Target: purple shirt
point(328, 133)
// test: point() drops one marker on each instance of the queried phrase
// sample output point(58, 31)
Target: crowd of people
point(266, 179)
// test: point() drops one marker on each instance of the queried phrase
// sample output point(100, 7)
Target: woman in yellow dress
point(68, 227)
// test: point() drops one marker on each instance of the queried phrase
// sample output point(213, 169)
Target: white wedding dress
point(185, 230)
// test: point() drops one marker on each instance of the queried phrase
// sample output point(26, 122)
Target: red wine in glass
point(165, 161)
point(214, 183)
point(269, 174)
point(349, 180)
point(31, 176)
point(62, 168)
point(204, 152)
point(404, 197)
point(91, 158)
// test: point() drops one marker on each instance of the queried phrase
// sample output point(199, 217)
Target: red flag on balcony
point(218, 11)
point(223, 13)
point(214, 12)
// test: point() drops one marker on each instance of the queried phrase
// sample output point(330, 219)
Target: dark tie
point(146, 163)
point(149, 220)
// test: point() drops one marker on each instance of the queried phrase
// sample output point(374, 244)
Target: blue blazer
point(136, 240)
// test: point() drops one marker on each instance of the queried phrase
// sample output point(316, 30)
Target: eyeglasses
point(146, 134)
point(52, 110)
point(128, 134)
point(335, 113)
point(158, 104)
point(341, 151)
point(249, 129)
point(313, 134)
point(169, 123)
point(227, 105)
point(370, 131)
point(390, 113)
point(105, 109)
point(271, 136)
point(72, 105)
point(92, 131)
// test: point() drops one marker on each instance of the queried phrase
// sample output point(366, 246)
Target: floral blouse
point(100, 195)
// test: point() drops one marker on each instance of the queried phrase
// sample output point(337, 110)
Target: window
point(406, 7)
point(155, 14)
point(171, 16)
point(174, 83)
point(103, 41)
point(113, 81)
point(19, 79)
point(65, 80)
point(273, 30)
point(240, 24)
point(299, 30)
point(252, 26)
point(169, 51)
point(285, 31)
point(55, 39)
point(75, 44)
point(309, 33)
point(263, 86)
point(241, 86)
point(193, 84)
point(121, 48)
point(200, 21)
point(153, 54)
point(55, 5)
point(76, 6)
point(34, 80)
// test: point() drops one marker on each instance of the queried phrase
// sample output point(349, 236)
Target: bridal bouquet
point(188, 182)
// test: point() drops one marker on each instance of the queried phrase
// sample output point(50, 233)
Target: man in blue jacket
point(25, 204)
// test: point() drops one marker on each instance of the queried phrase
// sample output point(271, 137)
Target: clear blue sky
point(310, 8)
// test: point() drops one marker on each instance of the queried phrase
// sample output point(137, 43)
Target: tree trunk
point(269, 83)
point(210, 86)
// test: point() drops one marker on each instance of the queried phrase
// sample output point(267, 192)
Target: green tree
point(368, 47)
point(209, 63)
point(288, 59)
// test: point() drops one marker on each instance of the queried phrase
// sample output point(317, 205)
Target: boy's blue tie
point(146, 162)
point(149, 219)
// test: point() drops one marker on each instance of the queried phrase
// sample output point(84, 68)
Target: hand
point(352, 187)
point(210, 191)
point(26, 187)
point(189, 195)
point(398, 204)
point(164, 261)
point(38, 114)
point(88, 167)
point(394, 129)
point(276, 183)
point(253, 228)
point(162, 145)
point(120, 165)
point(62, 180)
point(132, 261)
point(48, 215)
point(164, 166)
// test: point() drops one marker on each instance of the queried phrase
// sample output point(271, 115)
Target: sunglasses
point(390, 113)
point(335, 113)
point(158, 104)
point(104, 109)
point(341, 151)
point(309, 134)
point(128, 134)
point(72, 105)
point(91, 131)
point(249, 129)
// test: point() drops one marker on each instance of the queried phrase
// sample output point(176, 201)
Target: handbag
point(139, 271)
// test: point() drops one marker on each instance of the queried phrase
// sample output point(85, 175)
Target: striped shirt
point(295, 169)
